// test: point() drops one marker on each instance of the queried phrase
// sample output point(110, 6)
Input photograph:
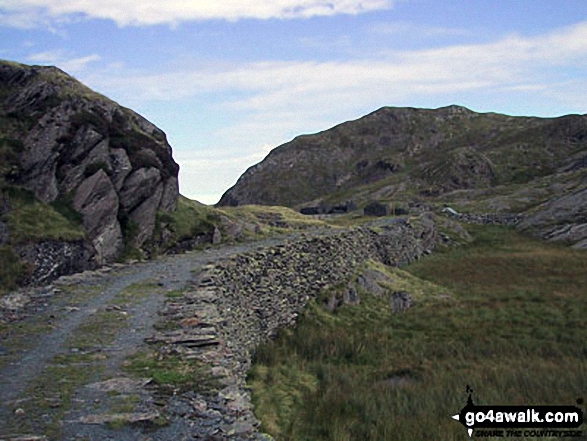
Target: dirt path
point(63, 366)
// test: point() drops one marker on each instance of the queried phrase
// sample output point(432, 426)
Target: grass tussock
point(171, 371)
point(503, 314)
point(30, 219)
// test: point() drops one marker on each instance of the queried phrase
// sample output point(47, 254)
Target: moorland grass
point(504, 314)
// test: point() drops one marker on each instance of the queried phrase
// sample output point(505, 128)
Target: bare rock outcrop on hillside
point(563, 220)
point(67, 144)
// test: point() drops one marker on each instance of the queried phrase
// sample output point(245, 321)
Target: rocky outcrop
point(506, 219)
point(97, 201)
point(563, 219)
point(76, 147)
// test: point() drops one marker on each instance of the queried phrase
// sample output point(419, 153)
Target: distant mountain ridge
point(446, 154)
point(436, 150)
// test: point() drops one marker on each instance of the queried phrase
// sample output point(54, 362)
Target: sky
point(229, 80)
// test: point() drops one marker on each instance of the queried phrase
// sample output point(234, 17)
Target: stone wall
point(509, 219)
point(260, 292)
point(244, 300)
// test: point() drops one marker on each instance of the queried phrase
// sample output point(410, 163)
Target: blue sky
point(229, 80)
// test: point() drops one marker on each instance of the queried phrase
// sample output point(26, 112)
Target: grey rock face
point(370, 280)
point(138, 187)
point(144, 216)
point(97, 201)
point(563, 219)
point(113, 163)
point(216, 236)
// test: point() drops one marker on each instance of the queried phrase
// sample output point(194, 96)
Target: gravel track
point(166, 273)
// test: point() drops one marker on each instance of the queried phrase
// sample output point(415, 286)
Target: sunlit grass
point(504, 314)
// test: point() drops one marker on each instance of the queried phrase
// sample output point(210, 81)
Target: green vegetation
point(10, 150)
point(51, 395)
point(24, 334)
point(138, 291)
point(31, 219)
point(12, 270)
point(504, 314)
point(273, 219)
point(99, 330)
point(189, 220)
point(171, 371)
point(192, 219)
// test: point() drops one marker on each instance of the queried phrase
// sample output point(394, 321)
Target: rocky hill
point(437, 151)
point(81, 177)
point(476, 161)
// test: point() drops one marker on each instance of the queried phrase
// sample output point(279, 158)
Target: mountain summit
point(431, 152)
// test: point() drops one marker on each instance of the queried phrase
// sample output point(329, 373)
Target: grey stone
point(121, 167)
point(400, 301)
point(369, 281)
point(51, 259)
point(563, 219)
point(138, 187)
point(144, 216)
point(216, 236)
point(97, 201)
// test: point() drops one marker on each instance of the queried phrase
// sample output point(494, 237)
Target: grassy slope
point(193, 218)
point(512, 327)
point(31, 220)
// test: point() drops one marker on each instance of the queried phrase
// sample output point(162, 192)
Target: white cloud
point(509, 61)
point(271, 101)
point(205, 176)
point(416, 30)
point(149, 12)
point(61, 58)
point(20, 20)
point(322, 88)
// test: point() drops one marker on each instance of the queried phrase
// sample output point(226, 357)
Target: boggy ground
point(74, 364)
